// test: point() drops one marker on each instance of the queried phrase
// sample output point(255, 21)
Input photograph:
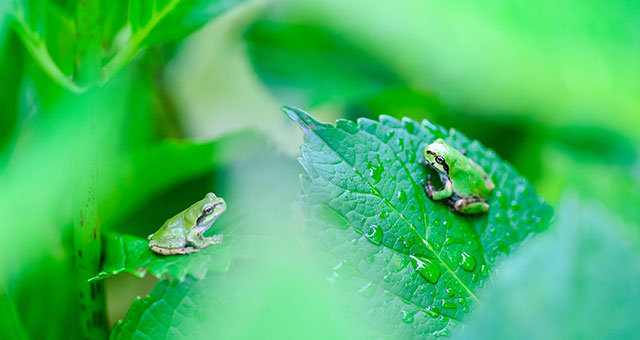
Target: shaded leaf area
point(139, 175)
point(580, 281)
point(416, 266)
point(131, 254)
point(311, 65)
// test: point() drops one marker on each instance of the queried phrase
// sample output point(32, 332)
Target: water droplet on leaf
point(441, 333)
point(374, 234)
point(467, 262)
point(432, 312)
point(429, 270)
point(407, 317)
point(448, 304)
point(402, 196)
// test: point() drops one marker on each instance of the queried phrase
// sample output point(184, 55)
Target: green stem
point(86, 222)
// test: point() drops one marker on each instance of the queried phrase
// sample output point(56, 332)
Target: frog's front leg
point(199, 241)
point(433, 194)
point(215, 239)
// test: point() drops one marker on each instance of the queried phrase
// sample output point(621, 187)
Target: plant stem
point(87, 242)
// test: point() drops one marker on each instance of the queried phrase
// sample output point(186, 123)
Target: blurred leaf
point(184, 17)
point(556, 63)
point(139, 174)
point(272, 296)
point(11, 57)
point(150, 315)
point(419, 265)
point(310, 66)
point(131, 254)
point(578, 282)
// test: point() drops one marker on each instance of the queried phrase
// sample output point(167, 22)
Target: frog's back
point(476, 181)
point(173, 227)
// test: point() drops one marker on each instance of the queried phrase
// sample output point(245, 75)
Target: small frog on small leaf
point(182, 234)
point(466, 185)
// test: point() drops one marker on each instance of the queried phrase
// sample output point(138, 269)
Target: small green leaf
point(579, 281)
point(174, 300)
point(425, 271)
point(131, 254)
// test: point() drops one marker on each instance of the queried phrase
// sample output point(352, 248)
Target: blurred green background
point(551, 86)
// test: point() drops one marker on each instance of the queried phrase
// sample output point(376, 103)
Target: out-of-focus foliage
point(578, 281)
point(550, 86)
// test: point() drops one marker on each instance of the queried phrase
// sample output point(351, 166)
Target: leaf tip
point(302, 118)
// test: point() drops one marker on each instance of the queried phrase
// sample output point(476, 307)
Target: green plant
point(118, 115)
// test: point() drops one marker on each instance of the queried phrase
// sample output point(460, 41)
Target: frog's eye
point(207, 210)
point(440, 159)
point(430, 152)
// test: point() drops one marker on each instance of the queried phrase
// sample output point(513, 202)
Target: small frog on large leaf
point(182, 234)
point(466, 185)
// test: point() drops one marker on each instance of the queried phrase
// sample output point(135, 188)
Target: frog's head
point(209, 209)
point(439, 156)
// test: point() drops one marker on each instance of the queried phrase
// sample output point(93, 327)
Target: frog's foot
point(471, 205)
point(215, 239)
point(172, 251)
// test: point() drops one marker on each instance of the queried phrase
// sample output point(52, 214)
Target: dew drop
point(432, 312)
point(515, 205)
point(367, 290)
point(374, 234)
point(354, 241)
point(384, 214)
point(428, 270)
point(370, 258)
point(467, 262)
point(448, 304)
point(474, 277)
point(441, 333)
point(484, 270)
point(375, 172)
point(407, 317)
point(402, 196)
point(450, 292)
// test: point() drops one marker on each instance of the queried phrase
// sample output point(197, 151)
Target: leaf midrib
point(423, 309)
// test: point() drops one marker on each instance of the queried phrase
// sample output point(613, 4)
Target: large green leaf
point(416, 266)
point(579, 281)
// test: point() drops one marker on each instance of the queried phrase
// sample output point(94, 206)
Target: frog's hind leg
point(471, 205)
point(172, 251)
point(171, 247)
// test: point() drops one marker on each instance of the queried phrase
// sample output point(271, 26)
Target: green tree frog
point(182, 234)
point(466, 185)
